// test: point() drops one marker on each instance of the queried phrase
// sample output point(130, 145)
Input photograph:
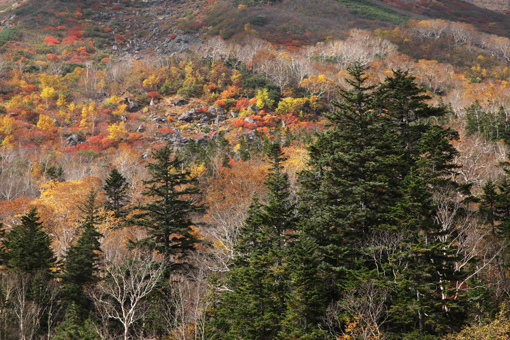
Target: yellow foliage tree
point(88, 116)
point(45, 123)
point(48, 93)
point(59, 208)
point(61, 102)
point(288, 104)
point(117, 131)
point(263, 99)
point(499, 329)
point(111, 101)
point(120, 110)
point(7, 125)
point(319, 85)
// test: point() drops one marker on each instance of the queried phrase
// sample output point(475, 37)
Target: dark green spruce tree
point(258, 280)
point(115, 189)
point(172, 192)
point(423, 303)
point(74, 327)
point(82, 259)
point(373, 172)
point(345, 194)
point(28, 247)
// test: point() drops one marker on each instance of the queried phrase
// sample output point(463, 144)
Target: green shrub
point(142, 99)
point(189, 91)
point(88, 12)
point(8, 35)
point(93, 32)
point(258, 20)
point(69, 68)
point(25, 10)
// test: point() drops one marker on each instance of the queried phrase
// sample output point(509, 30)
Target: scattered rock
point(159, 120)
point(203, 139)
point(141, 128)
point(220, 110)
point(219, 119)
point(177, 139)
point(146, 155)
point(132, 105)
point(74, 139)
point(254, 108)
point(181, 102)
point(233, 114)
point(249, 120)
point(186, 117)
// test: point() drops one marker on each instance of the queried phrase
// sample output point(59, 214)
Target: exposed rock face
point(495, 5)
point(132, 105)
point(74, 139)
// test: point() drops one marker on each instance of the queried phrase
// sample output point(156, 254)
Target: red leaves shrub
point(265, 119)
point(107, 29)
point(119, 38)
point(70, 40)
point(242, 103)
point(154, 94)
point(70, 20)
point(290, 119)
point(76, 32)
point(241, 123)
point(173, 36)
point(101, 142)
point(221, 103)
point(50, 28)
point(116, 7)
point(97, 5)
point(211, 87)
point(166, 130)
point(197, 25)
point(51, 57)
point(202, 109)
point(134, 136)
point(51, 40)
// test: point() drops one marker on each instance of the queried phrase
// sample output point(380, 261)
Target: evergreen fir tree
point(115, 189)
point(82, 260)
point(488, 205)
point(74, 328)
point(346, 191)
point(28, 247)
point(168, 216)
point(258, 279)
point(374, 170)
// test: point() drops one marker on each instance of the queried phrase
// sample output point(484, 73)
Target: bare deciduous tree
point(122, 295)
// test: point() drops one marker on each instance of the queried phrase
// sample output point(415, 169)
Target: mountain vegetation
point(243, 169)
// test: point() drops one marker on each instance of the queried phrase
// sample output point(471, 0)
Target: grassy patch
point(373, 11)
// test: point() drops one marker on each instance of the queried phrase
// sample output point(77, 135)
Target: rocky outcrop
point(495, 5)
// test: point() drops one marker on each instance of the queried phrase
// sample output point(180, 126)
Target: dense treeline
point(379, 240)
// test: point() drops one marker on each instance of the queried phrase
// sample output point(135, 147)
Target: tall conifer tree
point(82, 260)
point(28, 247)
point(172, 193)
point(372, 171)
point(115, 189)
point(258, 279)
